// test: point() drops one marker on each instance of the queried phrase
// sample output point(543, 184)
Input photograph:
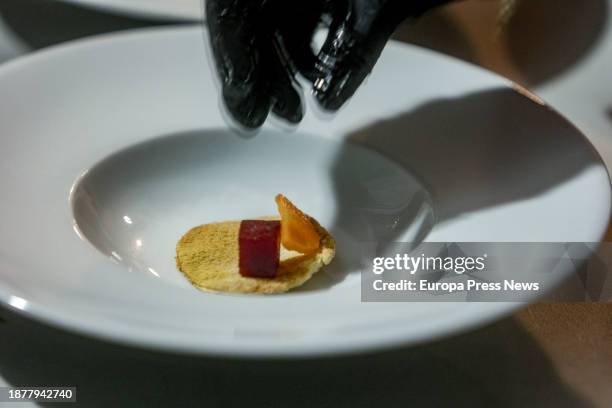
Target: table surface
point(548, 354)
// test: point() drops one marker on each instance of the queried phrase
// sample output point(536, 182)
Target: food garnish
point(265, 255)
point(259, 246)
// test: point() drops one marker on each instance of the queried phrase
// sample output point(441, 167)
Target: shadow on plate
point(480, 150)
point(500, 365)
point(473, 152)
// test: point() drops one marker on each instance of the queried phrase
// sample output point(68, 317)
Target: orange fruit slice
point(298, 233)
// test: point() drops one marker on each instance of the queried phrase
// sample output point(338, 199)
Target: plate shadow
point(480, 150)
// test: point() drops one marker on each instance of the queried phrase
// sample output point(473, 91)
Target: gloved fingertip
point(333, 89)
point(294, 115)
point(287, 103)
point(328, 88)
point(248, 111)
point(328, 101)
point(251, 120)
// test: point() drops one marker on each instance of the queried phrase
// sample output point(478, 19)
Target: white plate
point(189, 10)
point(118, 142)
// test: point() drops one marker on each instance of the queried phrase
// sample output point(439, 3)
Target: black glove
point(357, 35)
point(259, 45)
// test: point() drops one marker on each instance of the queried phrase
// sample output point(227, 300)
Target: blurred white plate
point(113, 147)
point(190, 10)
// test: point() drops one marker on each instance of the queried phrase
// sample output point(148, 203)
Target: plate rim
point(140, 10)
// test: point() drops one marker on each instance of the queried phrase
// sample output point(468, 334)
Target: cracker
point(208, 256)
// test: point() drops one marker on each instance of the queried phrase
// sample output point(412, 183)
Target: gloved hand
point(259, 45)
point(357, 35)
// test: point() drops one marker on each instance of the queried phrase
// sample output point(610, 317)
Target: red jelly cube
point(259, 247)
